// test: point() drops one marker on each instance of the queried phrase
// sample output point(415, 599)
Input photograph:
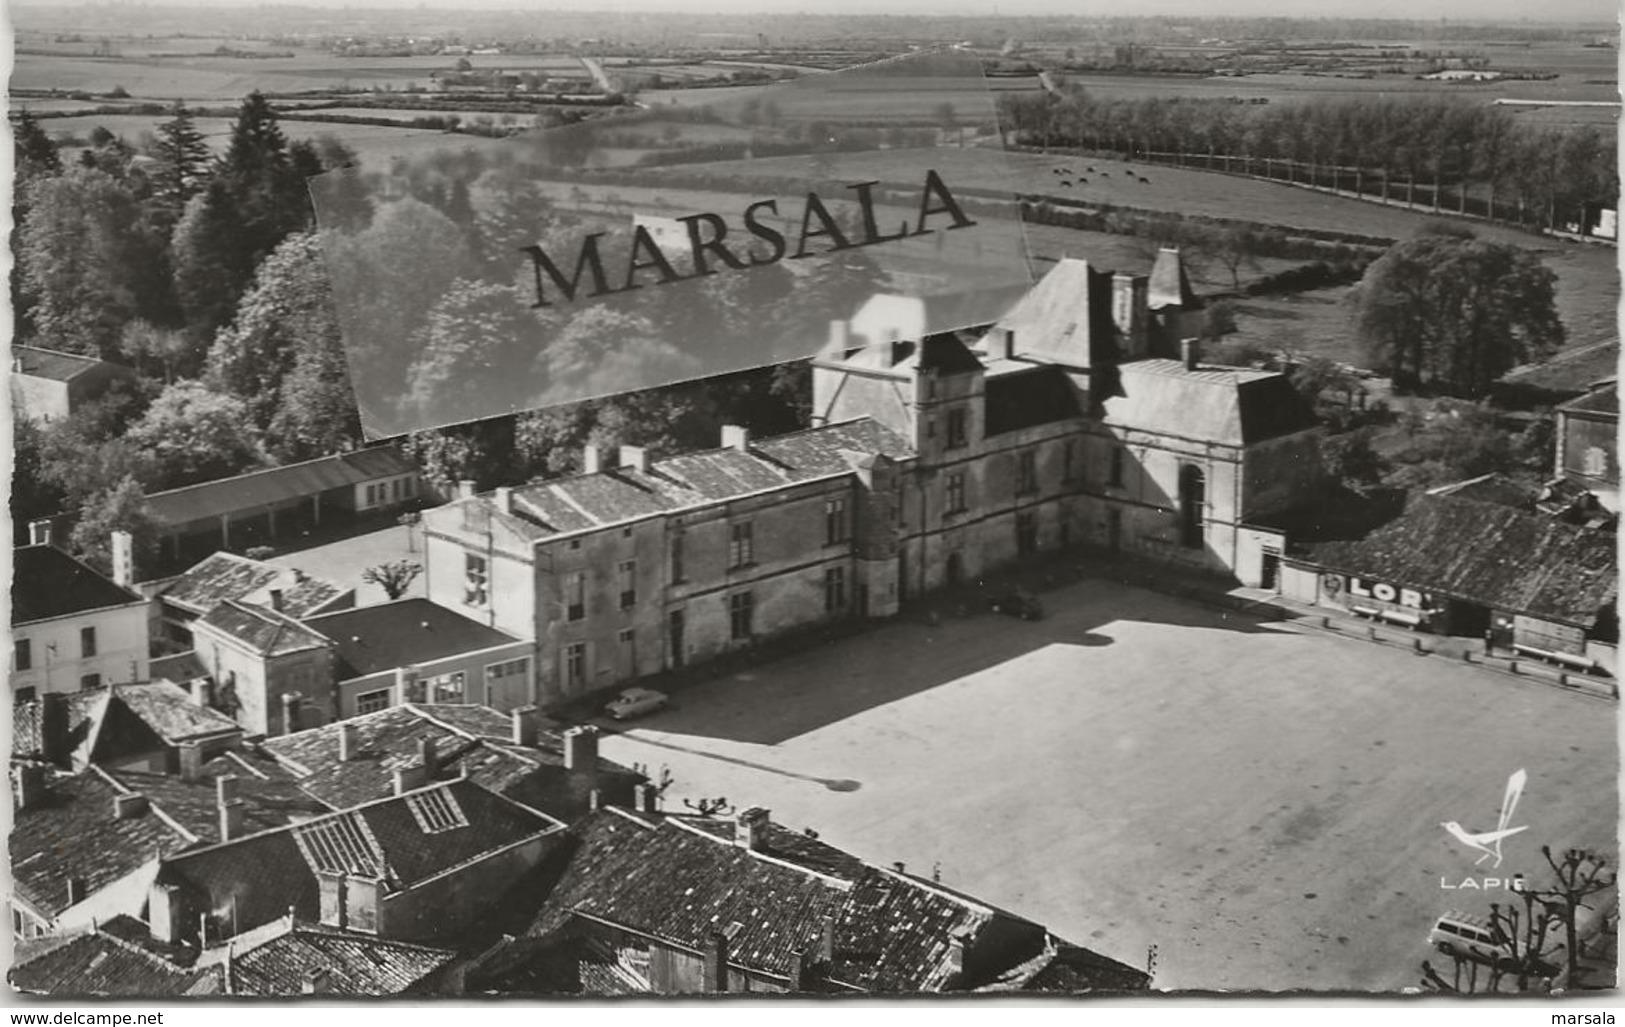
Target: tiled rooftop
point(477, 737)
point(229, 576)
point(105, 962)
point(279, 962)
point(194, 804)
point(171, 712)
point(266, 631)
point(74, 834)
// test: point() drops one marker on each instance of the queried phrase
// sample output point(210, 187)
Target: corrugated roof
point(401, 634)
point(50, 363)
point(257, 490)
point(225, 576)
point(47, 583)
point(1492, 555)
point(1230, 405)
point(267, 631)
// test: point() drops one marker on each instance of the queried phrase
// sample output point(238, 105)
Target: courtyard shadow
point(772, 702)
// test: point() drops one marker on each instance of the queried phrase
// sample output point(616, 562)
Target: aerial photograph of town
point(524, 504)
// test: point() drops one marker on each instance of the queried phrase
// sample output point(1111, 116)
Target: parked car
point(635, 702)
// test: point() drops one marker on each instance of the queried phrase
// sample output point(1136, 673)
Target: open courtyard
point(1260, 802)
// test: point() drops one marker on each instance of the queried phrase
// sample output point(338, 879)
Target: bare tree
point(1580, 874)
point(394, 577)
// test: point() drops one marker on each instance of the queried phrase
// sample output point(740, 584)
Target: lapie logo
point(1488, 843)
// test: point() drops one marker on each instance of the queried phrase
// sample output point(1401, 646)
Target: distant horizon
point(1508, 12)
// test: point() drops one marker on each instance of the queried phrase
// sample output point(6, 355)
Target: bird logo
point(1488, 843)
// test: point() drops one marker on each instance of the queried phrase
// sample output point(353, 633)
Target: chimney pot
point(581, 749)
point(592, 460)
point(1190, 352)
point(900, 867)
point(28, 785)
point(751, 831)
point(524, 725)
point(231, 820)
point(225, 789)
point(735, 437)
point(594, 800)
point(347, 741)
point(129, 805)
point(504, 499)
point(191, 760)
point(635, 458)
point(465, 488)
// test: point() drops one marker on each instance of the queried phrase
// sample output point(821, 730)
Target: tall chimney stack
point(735, 437)
point(123, 555)
point(347, 741)
point(524, 725)
point(465, 488)
point(751, 831)
point(190, 756)
point(290, 712)
point(276, 599)
point(592, 459)
point(1190, 353)
point(503, 497)
point(231, 820)
point(53, 728)
point(581, 749)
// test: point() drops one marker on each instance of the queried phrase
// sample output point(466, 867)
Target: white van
point(1471, 937)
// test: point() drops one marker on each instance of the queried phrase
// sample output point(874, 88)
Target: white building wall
point(122, 633)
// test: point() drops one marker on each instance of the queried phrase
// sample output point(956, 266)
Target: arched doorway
point(1192, 496)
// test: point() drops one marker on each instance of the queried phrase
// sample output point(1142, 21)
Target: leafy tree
point(154, 351)
point(33, 494)
point(1452, 442)
point(480, 451)
point(1350, 458)
point(193, 434)
point(121, 507)
point(35, 153)
point(1316, 377)
point(1455, 313)
point(1218, 320)
point(477, 345)
point(394, 577)
point(81, 260)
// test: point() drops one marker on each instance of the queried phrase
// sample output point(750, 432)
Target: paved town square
point(1260, 802)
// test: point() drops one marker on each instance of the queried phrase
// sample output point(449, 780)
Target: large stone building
point(929, 462)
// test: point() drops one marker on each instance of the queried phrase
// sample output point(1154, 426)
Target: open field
point(1261, 804)
point(1294, 88)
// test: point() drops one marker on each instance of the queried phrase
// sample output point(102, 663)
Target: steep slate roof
point(73, 834)
point(1603, 400)
point(259, 489)
point(48, 583)
point(1231, 405)
point(1058, 319)
point(1169, 285)
point(49, 363)
point(225, 576)
point(401, 633)
point(106, 961)
point(264, 875)
point(477, 738)
point(266, 631)
point(692, 481)
point(680, 878)
point(275, 960)
point(1493, 555)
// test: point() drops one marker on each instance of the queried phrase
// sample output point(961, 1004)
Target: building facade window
point(22, 654)
point(1115, 480)
point(446, 687)
point(741, 615)
point(372, 702)
point(677, 569)
point(90, 681)
point(835, 590)
point(836, 528)
point(957, 433)
point(575, 665)
point(1026, 472)
point(1192, 499)
point(956, 493)
point(741, 545)
point(626, 576)
point(575, 595)
point(476, 580)
point(87, 642)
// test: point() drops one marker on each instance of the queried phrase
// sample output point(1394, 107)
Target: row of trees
point(1484, 159)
